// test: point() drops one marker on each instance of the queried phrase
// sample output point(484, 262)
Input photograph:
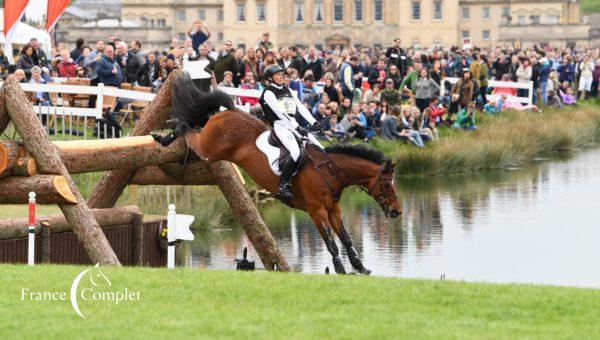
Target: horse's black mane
point(358, 150)
point(195, 107)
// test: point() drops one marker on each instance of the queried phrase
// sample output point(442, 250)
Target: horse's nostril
point(394, 214)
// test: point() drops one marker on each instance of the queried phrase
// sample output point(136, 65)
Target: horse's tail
point(192, 107)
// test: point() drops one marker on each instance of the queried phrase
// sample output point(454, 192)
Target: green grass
point(590, 6)
point(228, 304)
point(508, 139)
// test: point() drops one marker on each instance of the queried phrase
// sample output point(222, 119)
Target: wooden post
point(4, 118)
point(111, 185)
point(137, 240)
point(248, 217)
point(39, 146)
point(45, 244)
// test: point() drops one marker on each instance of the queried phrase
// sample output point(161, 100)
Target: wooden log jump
point(94, 155)
point(50, 189)
point(17, 227)
point(38, 145)
point(134, 160)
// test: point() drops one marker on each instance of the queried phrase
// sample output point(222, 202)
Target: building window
point(358, 10)
point(318, 10)
point(202, 14)
point(221, 37)
point(378, 9)
point(521, 20)
point(220, 15)
point(415, 11)
point(241, 12)
point(437, 10)
point(553, 19)
point(298, 11)
point(181, 15)
point(465, 34)
point(181, 36)
point(485, 34)
point(505, 11)
point(535, 19)
point(465, 13)
point(161, 22)
point(261, 12)
point(486, 13)
point(338, 10)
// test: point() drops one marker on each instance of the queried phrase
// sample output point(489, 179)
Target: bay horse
point(317, 186)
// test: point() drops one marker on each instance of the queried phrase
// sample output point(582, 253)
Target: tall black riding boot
point(285, 187)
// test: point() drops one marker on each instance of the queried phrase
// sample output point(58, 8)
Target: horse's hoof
point(156, 136)
point(365, 271)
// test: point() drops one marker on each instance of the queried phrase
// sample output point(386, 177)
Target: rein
point(336, 170)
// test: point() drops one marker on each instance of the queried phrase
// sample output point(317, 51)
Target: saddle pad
point(272, 153)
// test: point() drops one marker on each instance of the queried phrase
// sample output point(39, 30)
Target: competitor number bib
point(288, 105)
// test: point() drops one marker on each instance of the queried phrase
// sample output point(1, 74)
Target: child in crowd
point(492, 107)
point(567, 97)
point(466, 118)
point(436, 110)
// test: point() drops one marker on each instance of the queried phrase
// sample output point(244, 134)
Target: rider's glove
point(317, 127)
point(302, 131)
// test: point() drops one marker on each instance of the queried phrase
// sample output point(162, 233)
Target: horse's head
point(383, 190)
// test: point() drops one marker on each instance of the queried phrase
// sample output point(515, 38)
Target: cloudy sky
point(36, 8)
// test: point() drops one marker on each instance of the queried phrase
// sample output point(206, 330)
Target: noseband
point(382, 180)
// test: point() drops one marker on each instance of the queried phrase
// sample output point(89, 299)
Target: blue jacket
point(566, 72)
point(545, 71)
point(104, 69)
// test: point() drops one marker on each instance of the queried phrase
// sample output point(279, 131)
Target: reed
point(509, 139)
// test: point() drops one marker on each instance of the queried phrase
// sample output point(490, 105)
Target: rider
point(281, 107)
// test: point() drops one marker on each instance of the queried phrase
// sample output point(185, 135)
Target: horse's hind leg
point(321, 220)
point(335, 217)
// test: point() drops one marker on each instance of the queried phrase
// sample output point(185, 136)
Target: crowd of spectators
point(398, 93)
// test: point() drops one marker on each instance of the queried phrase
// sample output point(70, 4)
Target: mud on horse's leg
point(338, 226)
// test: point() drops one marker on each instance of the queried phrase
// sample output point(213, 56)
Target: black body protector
point(285, 99)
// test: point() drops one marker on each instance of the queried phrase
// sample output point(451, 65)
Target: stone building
point(327, 23)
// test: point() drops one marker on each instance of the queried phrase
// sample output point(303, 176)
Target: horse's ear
point(388, 166)
point(394, 164)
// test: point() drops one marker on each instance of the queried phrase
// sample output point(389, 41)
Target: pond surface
point(533, 225)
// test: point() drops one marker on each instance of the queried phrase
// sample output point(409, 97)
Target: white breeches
point(585, 83)
point(286, 136)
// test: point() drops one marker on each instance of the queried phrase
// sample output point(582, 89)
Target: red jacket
point(67, 69)
point(436, 111)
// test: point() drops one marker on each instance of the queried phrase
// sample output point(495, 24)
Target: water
point(532, 225)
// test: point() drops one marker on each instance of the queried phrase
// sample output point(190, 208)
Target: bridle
point(384, 181)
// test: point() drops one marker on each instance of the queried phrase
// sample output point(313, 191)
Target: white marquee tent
point(23, 33)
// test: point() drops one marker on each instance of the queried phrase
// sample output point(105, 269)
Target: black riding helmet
point(271, 70)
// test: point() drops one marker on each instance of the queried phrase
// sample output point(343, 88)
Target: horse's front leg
point(335, 218)
point(321, 220)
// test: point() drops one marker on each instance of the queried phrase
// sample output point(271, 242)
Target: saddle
point(270, 145)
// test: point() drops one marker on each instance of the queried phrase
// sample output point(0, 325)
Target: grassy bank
point(214, 304)
point(510, 138)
